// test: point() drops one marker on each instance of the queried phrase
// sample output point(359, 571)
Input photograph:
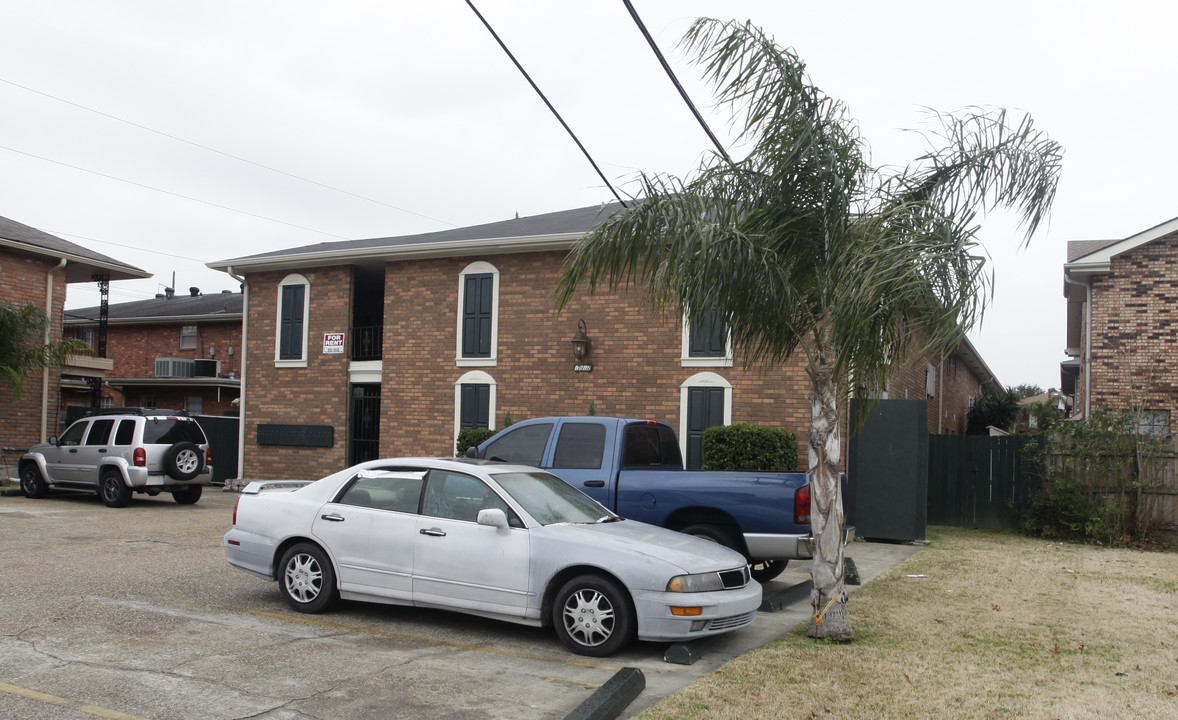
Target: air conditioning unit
point(174, 368)
point(207, 368)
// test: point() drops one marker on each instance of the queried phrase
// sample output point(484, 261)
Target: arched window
point(478, 315)
point(474, 401)
point(705, 400)
point(290, 337)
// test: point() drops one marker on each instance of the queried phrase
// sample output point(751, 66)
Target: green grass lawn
point(1003, 626)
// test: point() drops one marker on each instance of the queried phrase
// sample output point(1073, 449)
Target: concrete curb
point(609, 700)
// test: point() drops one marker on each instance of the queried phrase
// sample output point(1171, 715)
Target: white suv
point(117, 451)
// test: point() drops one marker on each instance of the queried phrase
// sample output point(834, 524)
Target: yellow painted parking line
point(64, 702)
point(401, 636)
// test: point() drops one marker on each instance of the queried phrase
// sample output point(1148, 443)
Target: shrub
point(750, 447)
point(469, 437)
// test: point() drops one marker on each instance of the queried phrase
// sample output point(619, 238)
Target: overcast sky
point(392, 118)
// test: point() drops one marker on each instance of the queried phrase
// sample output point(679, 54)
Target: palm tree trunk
point(828, 596)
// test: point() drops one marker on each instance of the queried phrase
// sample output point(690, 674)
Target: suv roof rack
point(146, 412)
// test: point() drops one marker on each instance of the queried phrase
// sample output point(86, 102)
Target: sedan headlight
point(703, 582)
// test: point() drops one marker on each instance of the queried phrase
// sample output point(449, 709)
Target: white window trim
point(478, 268)
point(687, 361)
point(193, 340)
point(473, 377)
point(295, 279)
point(703, 379)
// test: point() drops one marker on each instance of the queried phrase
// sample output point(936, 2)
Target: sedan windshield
point(551, 500)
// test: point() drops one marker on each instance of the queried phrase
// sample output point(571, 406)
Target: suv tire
point(188, 495)
point(113, 491)
point(31, 482)
point(184, 461)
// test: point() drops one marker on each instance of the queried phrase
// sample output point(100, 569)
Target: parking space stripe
point(78, 705)
point(432, 641)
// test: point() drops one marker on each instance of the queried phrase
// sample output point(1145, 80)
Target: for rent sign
point(333, 343)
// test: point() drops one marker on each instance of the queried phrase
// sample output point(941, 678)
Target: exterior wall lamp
point(581, 342)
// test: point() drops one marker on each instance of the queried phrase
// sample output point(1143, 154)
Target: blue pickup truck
point(634, 467)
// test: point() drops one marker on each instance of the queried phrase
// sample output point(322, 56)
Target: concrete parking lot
point(134, 613)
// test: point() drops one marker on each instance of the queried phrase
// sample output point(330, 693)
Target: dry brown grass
point(1003, 627)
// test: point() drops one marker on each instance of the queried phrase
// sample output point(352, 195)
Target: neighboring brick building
point(1122, 320)
point(35, 267)
point(173, 351)
point(951, 383)
point(388, 346)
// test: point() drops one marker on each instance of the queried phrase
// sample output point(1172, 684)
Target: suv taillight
point(802, 506)
point(140, 457)
point(209, 456)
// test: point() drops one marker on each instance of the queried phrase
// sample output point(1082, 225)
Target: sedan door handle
point(594, 483)
point(333, 517)
point(432, 532)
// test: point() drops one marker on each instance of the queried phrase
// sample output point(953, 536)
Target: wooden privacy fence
point(987, 482)
point(978, 481)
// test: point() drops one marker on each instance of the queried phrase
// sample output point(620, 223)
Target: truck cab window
point(651, 446)
point(524, 446)
point(580, 446)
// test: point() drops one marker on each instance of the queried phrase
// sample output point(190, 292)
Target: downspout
point(1087, 363)
point(941, 394)
point(48, 338)
point(245, 321)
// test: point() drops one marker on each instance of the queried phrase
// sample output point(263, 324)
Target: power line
point(667, 68)
point(129, 247)
point(545, 99)
point(220, 152)
point(169, 192)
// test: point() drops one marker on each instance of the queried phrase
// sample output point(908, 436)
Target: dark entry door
point(705, 409)
point(364, 430)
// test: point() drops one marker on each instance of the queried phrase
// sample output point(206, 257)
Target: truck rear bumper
point(770, 546)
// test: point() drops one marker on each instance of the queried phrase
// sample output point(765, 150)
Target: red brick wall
point(312, 395)
point(636, 358)
point(1134, 326)
point(134, 349)
point(948, 410)
point(25, 278)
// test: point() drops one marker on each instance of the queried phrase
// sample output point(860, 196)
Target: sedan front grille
point(731, 623)
point(736, 578)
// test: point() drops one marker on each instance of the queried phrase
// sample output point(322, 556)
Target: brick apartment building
point(171, 351)
point(387, 346)
point(1122, 321)
point(35, 267)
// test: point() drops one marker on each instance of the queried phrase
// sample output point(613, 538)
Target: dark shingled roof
point(1079, 248)
point(579, 220)
point(162, 308)
point(83, 262)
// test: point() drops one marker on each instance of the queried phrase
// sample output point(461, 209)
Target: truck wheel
point(593, 616)
point(184, 460)
point(188, 495)
point(306, 578)
point(766, 570)
point(713, 533)
point(31, 482)
point(113, 491)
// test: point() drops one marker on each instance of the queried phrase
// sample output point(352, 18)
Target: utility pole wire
point(220, 152)
point(545, 99)
point(683, 93)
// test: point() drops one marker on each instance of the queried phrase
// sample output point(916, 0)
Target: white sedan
point(502, 541)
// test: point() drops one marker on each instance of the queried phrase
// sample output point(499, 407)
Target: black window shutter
point(290, 346)
point(475, 411)
point(476, 316)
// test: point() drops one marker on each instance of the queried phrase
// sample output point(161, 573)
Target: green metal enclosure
point(222, 434)
point(888, 470)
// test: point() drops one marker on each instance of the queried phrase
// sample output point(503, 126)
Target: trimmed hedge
point(750, 447)
point(468, 437)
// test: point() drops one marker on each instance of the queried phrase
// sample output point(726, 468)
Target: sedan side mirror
point(472, 452)
point(493, 517)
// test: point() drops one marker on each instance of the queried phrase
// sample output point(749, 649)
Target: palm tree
point(803, 248)
point(24, 347)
